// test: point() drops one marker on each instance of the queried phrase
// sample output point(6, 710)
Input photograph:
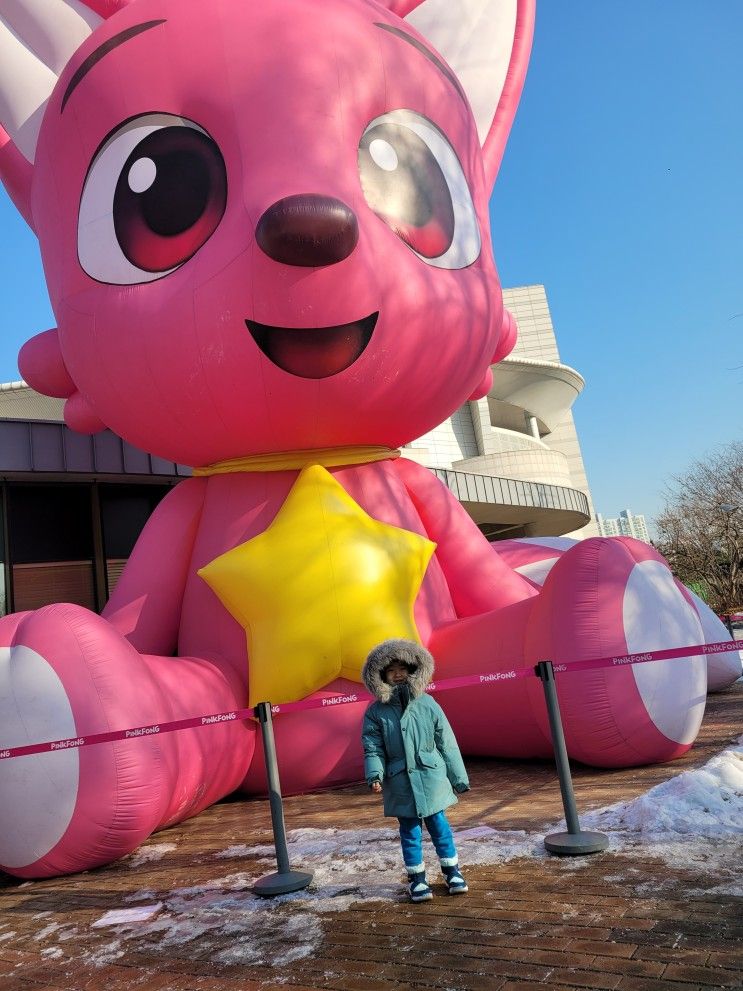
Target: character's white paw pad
point(37, 793)
point(657, 616)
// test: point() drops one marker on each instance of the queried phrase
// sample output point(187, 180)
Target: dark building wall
point(72, 509)
point(69, 541)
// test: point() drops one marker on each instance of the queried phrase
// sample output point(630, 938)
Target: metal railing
point(468, 487)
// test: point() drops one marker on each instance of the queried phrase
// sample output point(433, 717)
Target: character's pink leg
point(498, 716)
point(64, 672)
point(602, 598)
point(609, 598)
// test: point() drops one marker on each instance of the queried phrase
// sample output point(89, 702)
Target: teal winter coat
point(414, 752)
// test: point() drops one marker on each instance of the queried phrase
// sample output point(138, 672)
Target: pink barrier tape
point(694, 650)
point(480, 679)
point(323, 703)
point(133, 733)
point(464, 681)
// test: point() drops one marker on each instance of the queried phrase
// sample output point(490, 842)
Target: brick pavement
point(614, 921)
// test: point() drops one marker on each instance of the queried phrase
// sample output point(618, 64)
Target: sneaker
point(455, 882)
point(418, 887)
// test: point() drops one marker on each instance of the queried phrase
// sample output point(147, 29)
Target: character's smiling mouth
point(314, 352)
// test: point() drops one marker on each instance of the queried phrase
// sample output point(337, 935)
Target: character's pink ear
point(509, 333)
point(42, 366)
point(487, 44)
point(506, 342)
point(37, 40)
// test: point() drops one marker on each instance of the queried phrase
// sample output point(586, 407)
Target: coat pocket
point(395, 766)
point(429, 758)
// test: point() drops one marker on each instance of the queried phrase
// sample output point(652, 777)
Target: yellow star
point(318, 589)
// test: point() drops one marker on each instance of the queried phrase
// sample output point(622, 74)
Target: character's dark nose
point(308, 230)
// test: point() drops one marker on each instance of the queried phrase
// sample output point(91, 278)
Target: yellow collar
point(329, 457)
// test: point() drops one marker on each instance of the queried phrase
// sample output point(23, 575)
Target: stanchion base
point(575, 844)
point(281, 884)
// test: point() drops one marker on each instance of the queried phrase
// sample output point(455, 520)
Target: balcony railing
point(512, 492)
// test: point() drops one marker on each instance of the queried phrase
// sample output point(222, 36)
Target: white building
point(625, 525)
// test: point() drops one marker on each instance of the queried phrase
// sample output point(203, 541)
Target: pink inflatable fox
point(264, 228)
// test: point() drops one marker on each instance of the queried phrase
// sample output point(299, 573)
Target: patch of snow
point(705, 802)
point(48, 930)
point(8, 935)
point(259, 931)
point(126, 915)
point(60, 931)
point(299, 937)
point(233, 852)
point(693, 820)
point(474, 833)
point(104, 955)
point(141, 896)
point(52, 953)
point(146, 854)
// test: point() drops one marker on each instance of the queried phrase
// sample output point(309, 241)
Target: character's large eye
point(154, 194)
point(413, 180)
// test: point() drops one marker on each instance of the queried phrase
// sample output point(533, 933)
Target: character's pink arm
point(146, 604)
point(478, 579)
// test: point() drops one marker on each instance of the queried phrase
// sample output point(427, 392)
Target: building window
point(51, 545)
point(124, 511)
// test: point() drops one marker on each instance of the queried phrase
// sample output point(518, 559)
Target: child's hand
point(376, 787)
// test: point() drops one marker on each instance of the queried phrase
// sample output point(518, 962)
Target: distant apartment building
point(625, 525)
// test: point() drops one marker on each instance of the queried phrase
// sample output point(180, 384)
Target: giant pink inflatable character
point(265, 233)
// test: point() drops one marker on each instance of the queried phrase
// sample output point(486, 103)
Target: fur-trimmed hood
point(407, 651)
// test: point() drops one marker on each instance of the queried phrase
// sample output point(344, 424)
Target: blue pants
point(411, 837)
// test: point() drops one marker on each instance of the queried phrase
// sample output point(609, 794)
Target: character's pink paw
point(609, 598)
point(38, 793)
point(534, 558)
point(723, 669)
point(65, 674)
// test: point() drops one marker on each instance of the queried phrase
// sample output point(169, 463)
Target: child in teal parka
point(411, 756)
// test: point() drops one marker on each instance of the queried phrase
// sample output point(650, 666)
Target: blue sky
point(621, 192)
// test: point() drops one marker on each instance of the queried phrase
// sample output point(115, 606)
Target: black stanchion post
point(575, 841)
point(285, 879)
